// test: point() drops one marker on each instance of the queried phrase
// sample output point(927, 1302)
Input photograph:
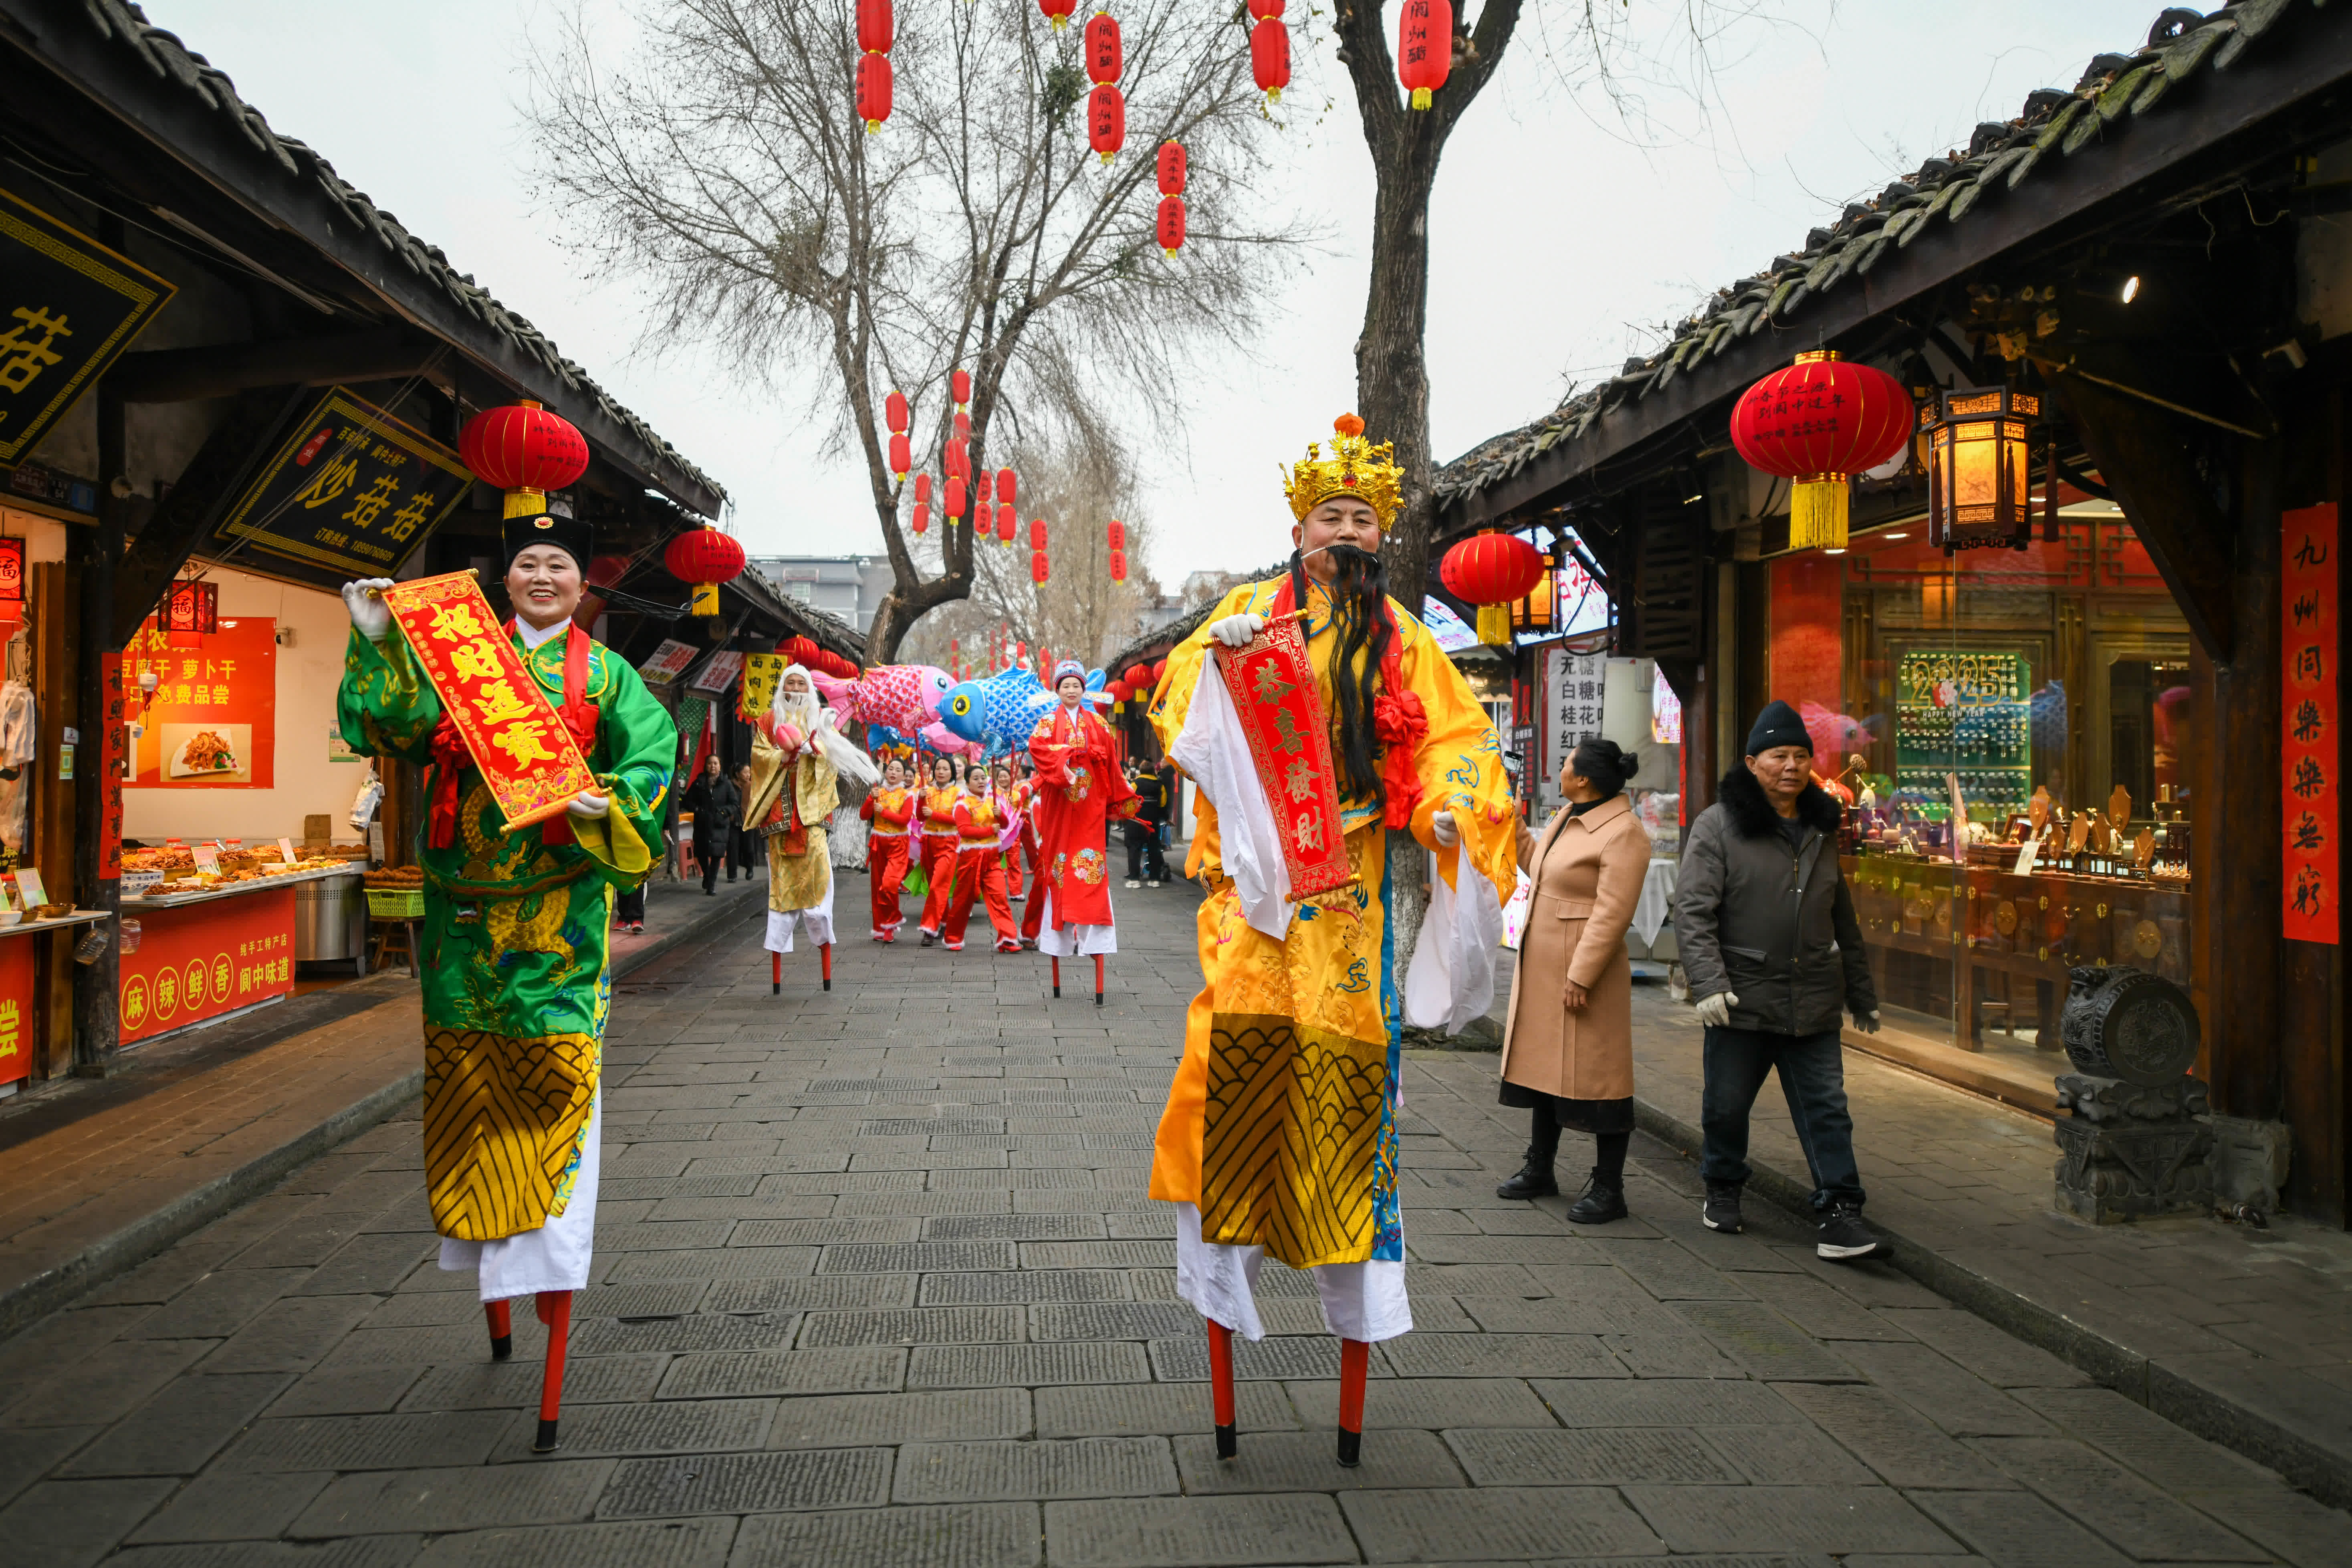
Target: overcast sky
point(1558, 244)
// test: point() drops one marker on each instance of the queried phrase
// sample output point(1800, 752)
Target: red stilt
point(1098, 980)
point(824, 957)
point(1355, 1360)
point(775, 974)
point(1221, 1387)
point(558, 1318)
point(501, 1330)
point(1057, 977)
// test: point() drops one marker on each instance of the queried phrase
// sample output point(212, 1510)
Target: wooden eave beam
point(217, 370)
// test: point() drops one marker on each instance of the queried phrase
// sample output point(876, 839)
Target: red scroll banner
point(525, 754)
point(1273, 688)
point(2310, 754)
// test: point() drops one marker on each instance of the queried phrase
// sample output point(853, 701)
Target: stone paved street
point(878, 1283)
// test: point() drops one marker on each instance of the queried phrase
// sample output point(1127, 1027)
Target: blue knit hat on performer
point(1066, 669)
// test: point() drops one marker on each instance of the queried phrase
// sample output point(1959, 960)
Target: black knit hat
point(1777, 725)
point(567, 533)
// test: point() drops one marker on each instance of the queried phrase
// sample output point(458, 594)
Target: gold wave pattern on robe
point(1291, 1125)
point(502, 1120)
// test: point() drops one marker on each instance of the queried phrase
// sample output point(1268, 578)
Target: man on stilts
point(515, 985)
point(1079, 790)
point(798, 758)
point(1319, 720)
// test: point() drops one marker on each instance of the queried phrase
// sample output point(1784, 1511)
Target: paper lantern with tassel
point(1425, 47)
point(1106, 55)
point(959, 388)
point(874, 86)
point(955, 499)
point(1269, 43)
point(1058, 11)
point(525, 451)
point(703, 558)
point(1818, 423)
point(1007, 524)
point(1119, 565)
point(1036, 533)
point(1169, 227)
point(1490, 571)
point(1038, 569)
point(1107, 121)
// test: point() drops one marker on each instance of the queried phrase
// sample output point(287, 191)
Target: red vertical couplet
point(2310, 753)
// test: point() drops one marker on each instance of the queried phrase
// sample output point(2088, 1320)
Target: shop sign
point(668, 662)
point(1452, 632)
point(762, 672)
point(719, 674)
point(2311, 754)
point(16, 1032)
point(1575, 688)
point(349, 492)
point(34, 482)
point(212, 722)
point(206, 960)
point(68, 307)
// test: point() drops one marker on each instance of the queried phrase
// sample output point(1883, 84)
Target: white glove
point(1714, 1011)
point(589, 804)
point(1235, 631)
point(1441, 827)
point(1867, 1022)
point(371, 616)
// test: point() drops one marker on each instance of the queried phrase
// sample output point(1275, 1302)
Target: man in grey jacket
point(1774, 955)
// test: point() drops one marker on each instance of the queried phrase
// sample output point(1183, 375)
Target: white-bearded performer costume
point(798, 757)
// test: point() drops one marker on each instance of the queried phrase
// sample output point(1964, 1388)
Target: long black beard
point(1359, 626)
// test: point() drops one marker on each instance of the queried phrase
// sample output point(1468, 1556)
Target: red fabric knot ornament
point(1400, 723)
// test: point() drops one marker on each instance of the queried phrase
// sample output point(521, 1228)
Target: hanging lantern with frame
point(190, 613)
point(12, 578)
point(1981, 468)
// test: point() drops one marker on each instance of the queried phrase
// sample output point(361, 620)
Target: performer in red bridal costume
point(1080, 790)
point(890, 809)
point(980, 865)
point(936, 829)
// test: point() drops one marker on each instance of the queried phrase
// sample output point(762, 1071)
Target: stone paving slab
point(1175, 1532)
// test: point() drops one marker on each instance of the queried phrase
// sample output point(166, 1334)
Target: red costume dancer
point(1080, 790)
point(1032, 914)
point(890, 809)
point(936, 829)
point(980, 867)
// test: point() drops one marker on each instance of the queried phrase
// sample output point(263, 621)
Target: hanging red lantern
point(190, 613)
point(959, 458)
point(1170, 227)
point(1269, 49)
point(1817, 423)
point(955, 499)
point(1037, 566)
point(1007, 524)
point(703, 558)
point(524, 450)
point(1172, 168)
point(1058, 11)
point(922, 517)
point(797, 649)
point(1119, 565)
point(902, 454)
point(1036, 533)
point(1425, 47)
point(1105, 120)
point(1007, 486)
point(872, 90)
point(923, 488)
point(876, 25)
point(895, 412)
point(962, 425)
point(1491, 570)
point(1118, 532)
point(959, 388)
point(1106, 58)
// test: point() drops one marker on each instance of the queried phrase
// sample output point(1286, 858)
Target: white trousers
point(1360, 1300)
point(818, 916)
point(1072, 942)
point(555, 1257)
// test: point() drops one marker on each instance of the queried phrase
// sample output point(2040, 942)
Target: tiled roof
point(173, 62)
point(2054, 124)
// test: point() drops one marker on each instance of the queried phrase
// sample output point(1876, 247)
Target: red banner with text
point(2310, 753)
point(16, 1031)
point(203, 959)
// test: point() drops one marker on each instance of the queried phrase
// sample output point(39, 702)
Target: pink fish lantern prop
point(904, 697)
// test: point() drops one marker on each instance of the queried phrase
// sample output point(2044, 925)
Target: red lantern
point(191, 612)
point(1817, 423)
point(704, 558)
point(872, 90)
point(1172, 168)
point(955, 502)
point(962, 425)
point(902, 453)
point(1490, 571)
point(893, 411)
point(1118, 534)
point(797, 649)
point(1138, 675)
point(1119, 565)
point(1270, 53)
point(1425, 47)
point(875, 25)
point(959, 458)
point(922, 517)
point(1007, 525)
point(1159, 670)
point(1058, 11)
point(1264, 10)
point(1037, 566)
point(959, 388)
point(1169, 229)
point(1007, 486)
point(1105, 57)
point(1105, 120)
point(525, 451)
point(1036, 533)
point(12, 578)
point(923, 489)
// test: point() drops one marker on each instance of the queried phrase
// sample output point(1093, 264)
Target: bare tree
point(722, 161)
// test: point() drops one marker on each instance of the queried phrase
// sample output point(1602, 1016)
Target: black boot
point(1603, 1201)
point(1535, 1179)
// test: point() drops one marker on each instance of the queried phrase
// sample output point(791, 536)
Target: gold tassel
point(705, 598)
point(1421, 97)
point(525, 503)
point(1816, 513)
point(1495, 624)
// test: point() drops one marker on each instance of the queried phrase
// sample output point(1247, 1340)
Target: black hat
point(1777, 725)
point(567, 533)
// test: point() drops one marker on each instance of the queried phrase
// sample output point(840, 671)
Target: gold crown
point(1355, 468)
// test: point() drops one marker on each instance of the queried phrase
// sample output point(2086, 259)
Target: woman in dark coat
point(713, 800)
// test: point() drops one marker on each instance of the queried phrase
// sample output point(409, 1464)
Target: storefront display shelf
point(235, 889)
point(77, 918)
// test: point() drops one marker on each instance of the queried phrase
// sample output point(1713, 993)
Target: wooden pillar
point(98, 786)
point(57, 631)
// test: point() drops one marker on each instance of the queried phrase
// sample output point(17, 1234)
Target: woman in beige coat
point(1568, 1053)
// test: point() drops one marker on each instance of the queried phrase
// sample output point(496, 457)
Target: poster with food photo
point(206, 714)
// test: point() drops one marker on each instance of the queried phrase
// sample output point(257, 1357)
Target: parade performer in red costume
point(1080, 790)
point(980, 864)
point(890, 809)
point(936, 829)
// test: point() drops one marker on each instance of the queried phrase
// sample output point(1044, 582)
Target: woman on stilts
point(1080, 791)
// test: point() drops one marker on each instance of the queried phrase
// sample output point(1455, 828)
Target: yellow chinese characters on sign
point(526, 757)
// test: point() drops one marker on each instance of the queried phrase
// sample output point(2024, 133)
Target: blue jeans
point(1812, 1077)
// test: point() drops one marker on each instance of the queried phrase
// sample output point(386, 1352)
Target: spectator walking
point(745, 849)
point(1773, 952)
point(1146, 867)
point(718, 809)
point(1568, 1050)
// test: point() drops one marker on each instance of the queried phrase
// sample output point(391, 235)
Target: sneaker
point(1841, 1237)
point(1722, 1210)
point(1133, 883)
point(1150, 883)
point(1602, 1202)
point(1535, 1180)
point(929, 937)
